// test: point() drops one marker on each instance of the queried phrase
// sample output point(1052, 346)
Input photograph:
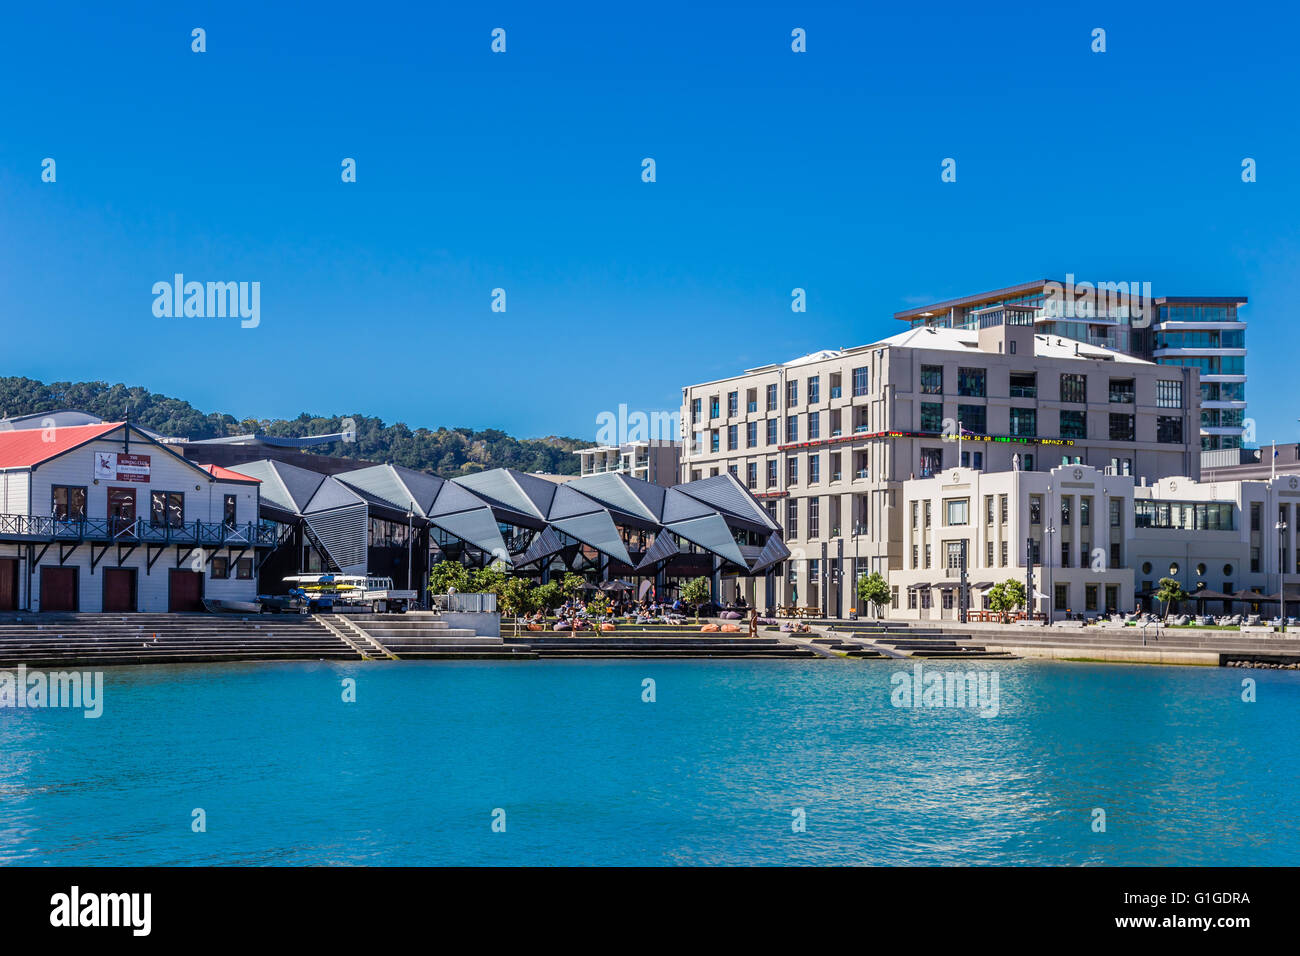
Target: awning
point(1209, 594)
point(949, 585)
point(983, 585)
point(918, 586)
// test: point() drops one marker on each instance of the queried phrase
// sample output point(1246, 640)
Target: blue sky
point(522, 171)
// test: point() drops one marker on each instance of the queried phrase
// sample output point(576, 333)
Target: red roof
point(31, 446)
point(216, 471)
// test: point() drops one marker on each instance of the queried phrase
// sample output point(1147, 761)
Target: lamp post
point(1047, 570)
point(1281, 566)
point(410, 528)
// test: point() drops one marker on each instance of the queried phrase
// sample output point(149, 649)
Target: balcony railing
point(137, 531)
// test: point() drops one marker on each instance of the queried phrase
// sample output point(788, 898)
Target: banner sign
point(117, 466)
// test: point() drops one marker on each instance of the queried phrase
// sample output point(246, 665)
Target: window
point(792, 428)
point(1024, 385)
point(773, 438)
point(1074, 424)
point(751, 400)
point(1002, 508)
point(1035, 509)
point(988, 554)
point(751, 475)
point(814, 469)
point(695, 410)
point(972, 418)
point(911, 597)
point(1185, 515)
point(1023, 422)
point(713, 440)
point(791, 470)
point(68, 502)
point(932, 379)
point(835, 466)
point(860, 382)
point(927, 514)
point(1062, 597)
point(733, 437)
point(244, 569)
point(228, 510)
point(916, 556)
point(1090, 597)
point(1169, 429)
point(1116, 513)
point(1074, 388)
point(814, 425)
point(958, 510)
point(1085, 512)
point(771, 474)
point(1169, 394)
point(932, 417)
point(792, 393)
point(1121, 466)
point(1121, 391)
point(1254, 559)
point(1003, 557)
point(931, 462)
point(792, 519)
point(927, 554)
point(733, 404)
point(814, 389)
point(167, 509)
point(978, 460)
point(771, 398)
point(1254, 517)
point(1121, 427)
point(1065, 510)
point(219, 568)
point(970, 382)
point(1065, 554)
point(714, 407)
point(946, 597)
point(988, 509)
point(814, 517)
point(751, 434)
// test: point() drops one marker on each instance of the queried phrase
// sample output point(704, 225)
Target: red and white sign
point(120, 467)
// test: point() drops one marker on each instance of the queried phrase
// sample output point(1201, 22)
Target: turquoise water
point(709, 773)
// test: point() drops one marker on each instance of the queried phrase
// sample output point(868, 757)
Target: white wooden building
point(102, 517)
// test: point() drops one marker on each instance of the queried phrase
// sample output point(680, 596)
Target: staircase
point(927, 643)
point(56, 640)
point(653, 642)
point(424, 635)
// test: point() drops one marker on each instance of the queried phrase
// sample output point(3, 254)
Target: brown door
point(185, 590)
point(8, 584)
point(121, 509)
point(119, 589)
point(58, 589)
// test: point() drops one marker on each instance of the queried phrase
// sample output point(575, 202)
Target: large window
point(1121, 427)
point(932, 379)
point(1024, 385)
point(1169, 429)
point(1185, 515)
point(792, 519)
point(814, 389)
point(1074, 388)
point(792, 393)
point(229, 509)
point(814, 470)
point(814, 517)
point(860, 381)
point(1023, 422)
point(1169, 394)
point(771, 474)
point(773, 437)
point(68, 501)
point(932, 416)
point(771, 398)
point(973, 418)
point(958, 510)
point(1074, 424)
point(931, 462)
point(751, 434)
point(751, 475)
point(733, 404)
point(733, 437)
point(167, 509)
point(1121, 391)
point(791, 470)
point(970, 382)
point(814, 425)
point(792, 428)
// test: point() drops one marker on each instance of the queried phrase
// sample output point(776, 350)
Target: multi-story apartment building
point(654, 460)
point(1201, 332)
point(1095, 543)
point(826, 441)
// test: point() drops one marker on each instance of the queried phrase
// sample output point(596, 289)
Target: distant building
point(655, 461)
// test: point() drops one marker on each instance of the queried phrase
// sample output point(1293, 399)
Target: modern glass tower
point(1204, 332)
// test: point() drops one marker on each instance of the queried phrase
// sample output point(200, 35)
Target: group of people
point(576, 614)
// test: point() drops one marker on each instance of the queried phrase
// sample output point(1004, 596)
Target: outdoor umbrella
point(616, 586)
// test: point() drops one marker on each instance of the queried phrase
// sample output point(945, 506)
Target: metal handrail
point(139, 530)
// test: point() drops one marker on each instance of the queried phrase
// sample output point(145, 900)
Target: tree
point(874, 590)
point(489, 580)
point(1169, 592)
point(516, 598)
point(548, 596)
point(448, 574)
point(1007, 596)
point(696, 592)
point(572, 585)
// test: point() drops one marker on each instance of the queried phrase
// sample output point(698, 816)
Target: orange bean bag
point(730, 629)
point(534, 627)
point(607, 627)
point(709, 629)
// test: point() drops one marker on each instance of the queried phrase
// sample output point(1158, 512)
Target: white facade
point(186, 522)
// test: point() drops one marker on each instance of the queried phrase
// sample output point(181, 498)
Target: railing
point(862, 473)
point(138, 530)
point(467, 603)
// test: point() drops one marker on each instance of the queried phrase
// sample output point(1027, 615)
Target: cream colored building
point(827, 441)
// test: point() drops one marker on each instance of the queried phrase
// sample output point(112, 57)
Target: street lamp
point(410, 528)
point(1047, 568)
point(1281, 566)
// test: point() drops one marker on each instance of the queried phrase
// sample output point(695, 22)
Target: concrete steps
point(425, 636)
point(644, 643)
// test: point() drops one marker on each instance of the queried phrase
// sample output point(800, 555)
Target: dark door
point(8, 584)
point(58, 589)
point(185, 590)
point(119, 589)
point(121, 510)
